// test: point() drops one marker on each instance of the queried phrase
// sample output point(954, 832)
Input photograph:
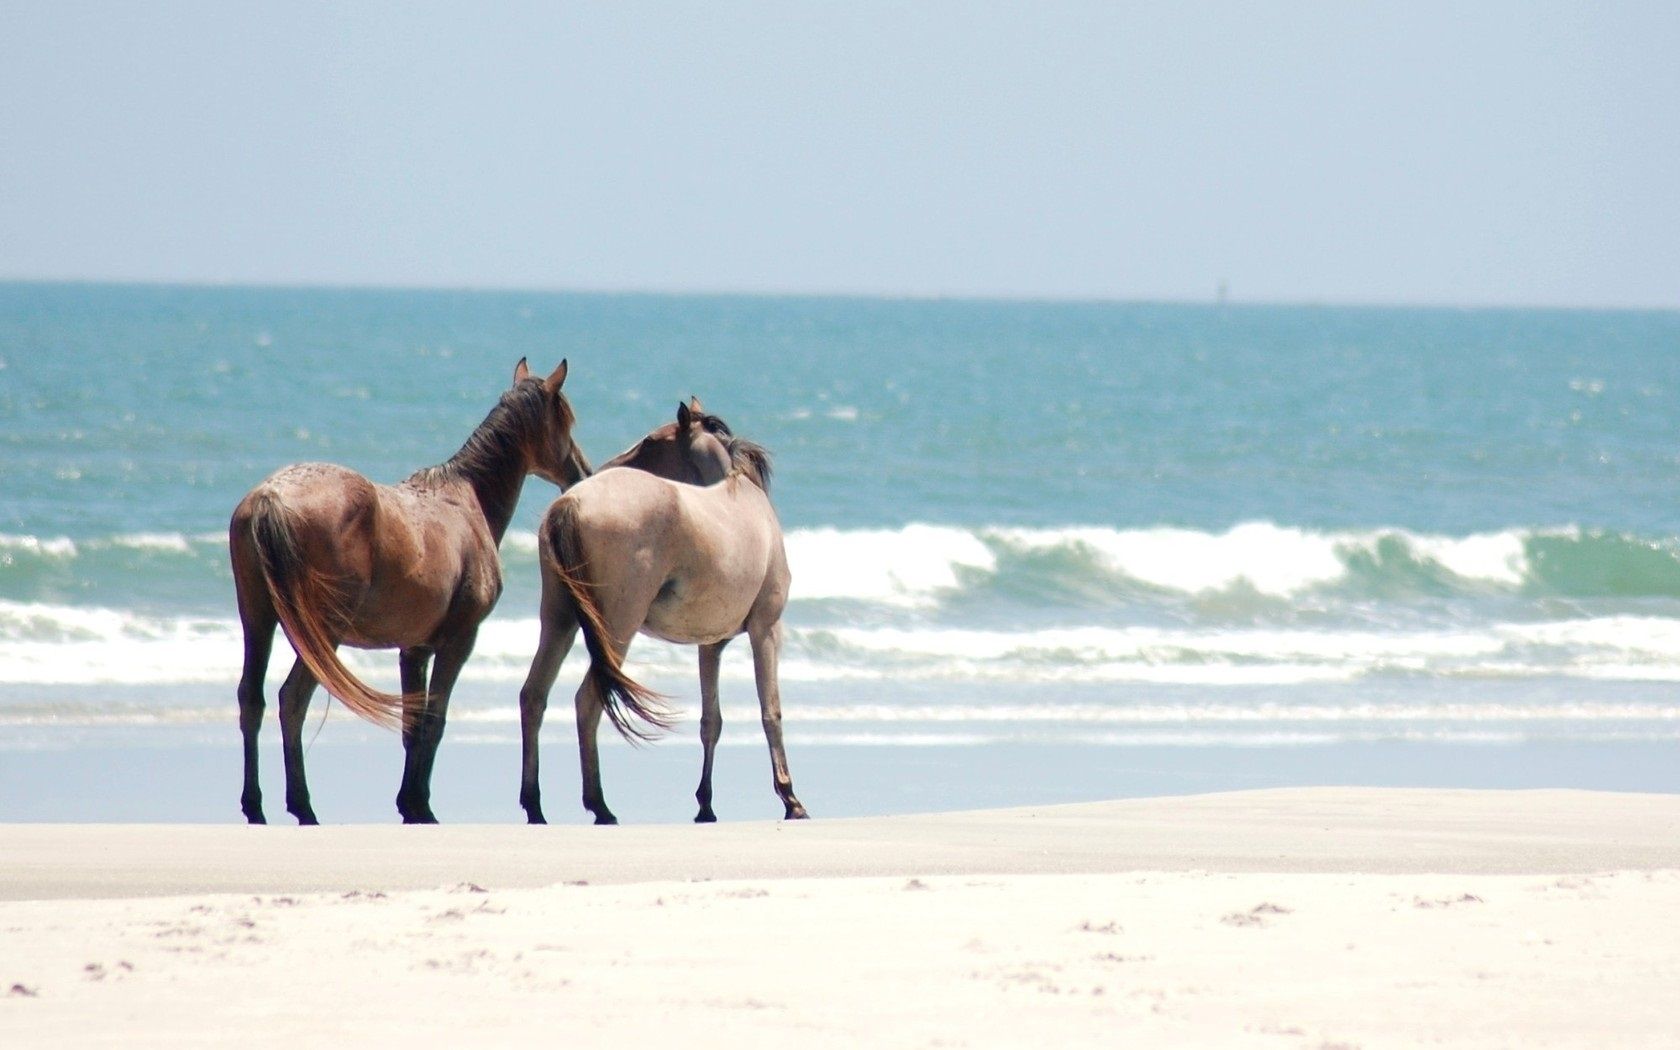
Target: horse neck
point(496, 481)
point(668, 461)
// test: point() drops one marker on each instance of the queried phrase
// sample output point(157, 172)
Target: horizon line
point(1069, 299)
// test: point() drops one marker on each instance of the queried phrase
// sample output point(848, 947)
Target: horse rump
point(563, 555)
point(307, 601)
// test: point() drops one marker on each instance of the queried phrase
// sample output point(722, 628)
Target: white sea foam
point(921, 565)
point(1497, 557)
point(64, 548)
point(1088, 722)
point(46, 644)
point(1272, 560)
point(52, 547)
point(915, 564)
point(157, 541)
point(519, 541)
point(907, 566)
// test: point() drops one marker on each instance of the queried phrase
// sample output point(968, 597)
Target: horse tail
point(619, 692)
point(307, 601)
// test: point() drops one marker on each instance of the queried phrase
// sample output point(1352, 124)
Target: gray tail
point(620, 692)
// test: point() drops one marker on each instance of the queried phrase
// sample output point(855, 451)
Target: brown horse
point(639, 550)
point(336, 559)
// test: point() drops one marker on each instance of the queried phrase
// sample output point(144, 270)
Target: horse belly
point(395, 625)
point(695, 615)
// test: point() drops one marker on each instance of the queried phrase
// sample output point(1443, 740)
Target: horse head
point(554, 456)
point(694, 449)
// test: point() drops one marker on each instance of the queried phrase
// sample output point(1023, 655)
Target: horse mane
point(747, 457)
point(751, 459)
point(516, 416)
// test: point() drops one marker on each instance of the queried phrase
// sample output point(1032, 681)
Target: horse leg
point(767, 650)
point(446, 668)
point(411, 666)
point(711, 726)
point(623, 619)
point(294, 708)
point(559, 630)
point(589, 707)
point(259, 642)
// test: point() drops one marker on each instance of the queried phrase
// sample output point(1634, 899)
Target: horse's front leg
point(559, 631)
point(767, 651)
point(446, 668)
point(411, 665)
point(711, 726)
point(294, 708)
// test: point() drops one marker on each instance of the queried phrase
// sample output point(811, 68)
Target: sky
point(1486, 153)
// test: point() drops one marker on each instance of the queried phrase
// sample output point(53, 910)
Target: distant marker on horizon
point(1223, 294)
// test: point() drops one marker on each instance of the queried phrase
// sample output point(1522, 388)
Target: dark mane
point(751, 459)
point(748, 457)
point(500, 438)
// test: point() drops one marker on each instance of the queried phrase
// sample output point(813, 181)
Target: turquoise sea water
point(1285, 534)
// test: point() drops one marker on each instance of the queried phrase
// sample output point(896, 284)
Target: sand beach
point(1309, 917)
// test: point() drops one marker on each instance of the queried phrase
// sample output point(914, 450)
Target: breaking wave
point(923, 565)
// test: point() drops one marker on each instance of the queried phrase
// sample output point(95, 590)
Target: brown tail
point(307, 601)
point(618, 690)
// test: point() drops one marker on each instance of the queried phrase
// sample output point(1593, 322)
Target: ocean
point(1041, 551)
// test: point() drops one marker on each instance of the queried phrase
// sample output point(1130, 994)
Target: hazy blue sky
point(1459, 153)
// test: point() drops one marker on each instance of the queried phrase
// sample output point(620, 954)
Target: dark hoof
point(535, 818)
point(255, 818)
point(797, 812)
point(420, 818)
point(307, 820)
point(605, 818)
point(706, 816)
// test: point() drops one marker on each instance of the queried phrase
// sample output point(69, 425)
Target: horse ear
point(521, 372)
point(556, 377)
point(684, 416)
point(694, 406)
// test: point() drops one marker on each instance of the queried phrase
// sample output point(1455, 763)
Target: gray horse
point(685, 547)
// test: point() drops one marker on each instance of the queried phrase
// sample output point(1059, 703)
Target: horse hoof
point(421, 818)
point(255, 818)
point(797, 812)
point(605, 818)
point(307, 820)
point(706, 816)
point(535, 818)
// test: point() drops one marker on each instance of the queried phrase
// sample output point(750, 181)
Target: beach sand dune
point(1312, 918)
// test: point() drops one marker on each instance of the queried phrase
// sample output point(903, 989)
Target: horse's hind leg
point(294, 708)
point(767, 650)
point(411, 665)
point(711, 726)
point(259, 642)
point(623, 617)
point(589, 707)
point(446, 668)
point(559, 631)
